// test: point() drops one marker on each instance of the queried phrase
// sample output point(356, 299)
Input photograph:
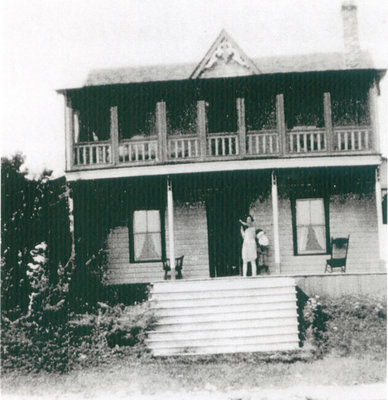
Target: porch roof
point(315, 62)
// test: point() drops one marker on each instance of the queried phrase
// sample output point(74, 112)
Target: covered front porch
point(142, 221)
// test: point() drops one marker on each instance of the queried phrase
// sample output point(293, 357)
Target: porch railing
point(262, 142)
point(307, 140)
point(87, 154)
point(182, 147)
point(352, 138)
point(138, 150)
point(222, 144)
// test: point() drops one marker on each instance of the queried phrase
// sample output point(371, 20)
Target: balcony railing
point(352, 139)
point(222, 145)
point(307, 140)
point(87, 154)
point(262, 143)
point(183, 148)
point(138, 150)
point(203, 146)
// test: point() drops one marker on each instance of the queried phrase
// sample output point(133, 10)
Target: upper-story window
point(221, 112)
point(303, 106)
point(91, 119)
point(349, 104)
point(137, 116)
point(260, 111)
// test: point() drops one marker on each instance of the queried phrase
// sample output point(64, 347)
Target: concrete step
point(206, 294)
point(220, 284)
point(187, 326)
point(204, 350)
point(224, 341)
point(213, 334)
point(232, 308)
point(224, 301)
point(272, 314)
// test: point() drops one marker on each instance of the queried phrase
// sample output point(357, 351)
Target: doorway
point(224, 207)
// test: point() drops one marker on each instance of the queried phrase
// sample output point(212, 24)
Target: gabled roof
point(266, 65)
point(224, 57)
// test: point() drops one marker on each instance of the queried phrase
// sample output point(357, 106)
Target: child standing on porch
point(249, 248)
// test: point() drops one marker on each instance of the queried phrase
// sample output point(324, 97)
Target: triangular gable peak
point(224, 59)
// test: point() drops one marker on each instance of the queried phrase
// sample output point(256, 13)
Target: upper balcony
point(219, 125)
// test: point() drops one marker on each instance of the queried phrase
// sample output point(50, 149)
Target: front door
point(224, 208)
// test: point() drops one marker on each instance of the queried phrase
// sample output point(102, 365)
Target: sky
point(52, 44)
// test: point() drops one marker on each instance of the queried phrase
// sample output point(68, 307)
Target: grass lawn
point(124, 376)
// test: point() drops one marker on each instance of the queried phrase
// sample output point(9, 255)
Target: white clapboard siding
point(224, 315)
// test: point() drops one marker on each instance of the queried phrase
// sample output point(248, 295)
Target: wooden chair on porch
point(178, 268)
point(339, 252)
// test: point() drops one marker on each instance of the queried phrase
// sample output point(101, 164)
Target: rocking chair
point(339, 252)
point(178, 267)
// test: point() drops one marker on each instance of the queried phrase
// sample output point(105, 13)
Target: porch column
point(161, 126)
point(379, 209)
point(281, 124)
point(171, 242)
point(241, 127)
point(69, 133)
point(372, 100)
point(275, 215)
point(328, 121)
point(114, 134)
point(201, 127)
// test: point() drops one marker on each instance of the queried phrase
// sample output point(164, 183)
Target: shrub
point(349, 325)
point(84, 339)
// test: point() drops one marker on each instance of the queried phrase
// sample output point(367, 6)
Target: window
point(146, 242)
point(310, 225)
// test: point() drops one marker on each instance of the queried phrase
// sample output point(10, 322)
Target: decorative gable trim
point(225, 56)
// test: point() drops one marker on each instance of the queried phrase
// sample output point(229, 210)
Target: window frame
point(325, 199)
point(132, 259)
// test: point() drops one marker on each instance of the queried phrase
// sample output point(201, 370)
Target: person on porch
point(249, 247)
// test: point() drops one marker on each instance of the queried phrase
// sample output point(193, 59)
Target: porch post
point(275, 221)
point(69, 132)
point(281, 124)
point(161, 126)
point(114, 134)
point(170, 210)
point(328, 121)
point(379, 209)
point(241, 126)
point(372, 102)
point(201, 127)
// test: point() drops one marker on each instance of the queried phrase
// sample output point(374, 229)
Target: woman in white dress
point(249, 247)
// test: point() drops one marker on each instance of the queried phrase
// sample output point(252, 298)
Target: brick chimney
point(350, 29)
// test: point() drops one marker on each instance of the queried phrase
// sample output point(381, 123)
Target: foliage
point(52, 344)
point(350, 325)
point(32, 211)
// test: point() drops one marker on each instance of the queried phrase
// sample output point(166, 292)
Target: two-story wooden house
point(164, 161)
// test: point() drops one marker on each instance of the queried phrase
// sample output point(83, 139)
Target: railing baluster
point(352, 140)
point(305, 142)
point(346, 140)
point(223, 146)
point(366, 140)
point(189, 148)
point(297, 143)
point(264, 144)
point(270, 145)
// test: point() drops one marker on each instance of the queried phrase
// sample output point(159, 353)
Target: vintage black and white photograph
point(194, 199)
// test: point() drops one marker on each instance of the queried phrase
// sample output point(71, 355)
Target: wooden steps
point(224, 315)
